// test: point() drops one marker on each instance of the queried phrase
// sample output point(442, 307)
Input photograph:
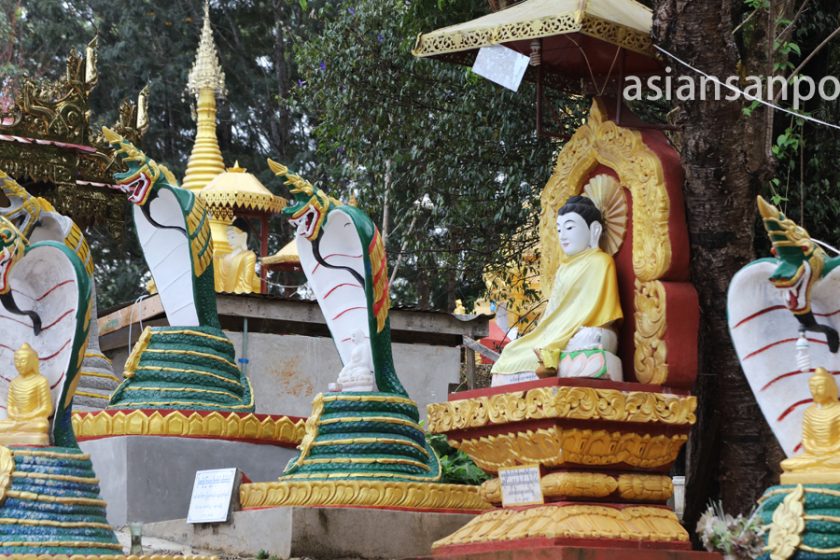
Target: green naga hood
point(344, 259)
point(800, 265)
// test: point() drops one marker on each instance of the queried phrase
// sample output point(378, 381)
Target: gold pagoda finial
point(206, 81)
point(206, 71)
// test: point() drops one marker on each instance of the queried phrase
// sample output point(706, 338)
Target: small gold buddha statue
point(819, 463)
point(29, 403)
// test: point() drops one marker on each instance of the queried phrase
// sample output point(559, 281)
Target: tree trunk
point(732, 450)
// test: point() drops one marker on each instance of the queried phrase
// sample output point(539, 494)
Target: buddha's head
point(26, 360)
point(579, 225)
point(823, 387)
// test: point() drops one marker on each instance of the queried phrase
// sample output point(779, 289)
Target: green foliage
point(456, 466)
point(386, 122)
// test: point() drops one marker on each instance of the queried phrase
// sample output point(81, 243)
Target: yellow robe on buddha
point(585, 294)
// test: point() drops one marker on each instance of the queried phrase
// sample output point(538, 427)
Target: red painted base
point(529, 549)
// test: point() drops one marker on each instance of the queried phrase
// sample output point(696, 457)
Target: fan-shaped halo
point(606, 192)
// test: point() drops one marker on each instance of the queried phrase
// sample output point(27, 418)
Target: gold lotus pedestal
point(604, 451)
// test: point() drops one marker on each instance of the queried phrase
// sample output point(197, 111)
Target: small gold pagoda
point(206, 81)
point(229, 194)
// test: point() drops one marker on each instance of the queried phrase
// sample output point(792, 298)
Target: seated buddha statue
point(583, 305)
point(357, 374)
point(235, 272)
point(820, 435)
point(29, 403)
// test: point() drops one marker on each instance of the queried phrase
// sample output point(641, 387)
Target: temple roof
point(206, 71)
point(625, 23)
point(237, 190)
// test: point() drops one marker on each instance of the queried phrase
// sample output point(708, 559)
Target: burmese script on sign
point(521, 486)
point(211, 496)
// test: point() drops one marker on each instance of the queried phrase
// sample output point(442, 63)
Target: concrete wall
point(288, 371)
point(150, 478)
point(318, 533)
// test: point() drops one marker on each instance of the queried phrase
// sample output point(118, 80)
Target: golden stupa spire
point(206, 80)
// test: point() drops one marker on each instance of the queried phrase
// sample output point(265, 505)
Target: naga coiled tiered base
point(51, 504)
point(363, 449)
point(183, 368)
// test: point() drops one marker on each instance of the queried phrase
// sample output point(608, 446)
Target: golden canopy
point(578, 36)
point(236, 191)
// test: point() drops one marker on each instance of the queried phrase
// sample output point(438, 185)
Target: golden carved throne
point(604, 448)
point(658, 337)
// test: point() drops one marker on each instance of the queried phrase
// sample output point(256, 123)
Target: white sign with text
point(501, 65)
point(521, 486)
point(211, 496)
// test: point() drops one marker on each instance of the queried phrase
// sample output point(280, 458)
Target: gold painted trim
point(415, 495)
point(33, 497)
point(192, 353)
point(637, 523)
point(62, 477)
point(442, 42)
point(275, 429)
point(52, 454)
point(384, 419)
point(806, 548)
point(62, 544)
point(192, 371)
point(183, 390)
point(193, 333)
point(573, 403)
point(367, 461)
point(368, 398)
point(92, 395)
point(776, 492)
point(345, 475)
point(554, 447)
point(50, 523)
point(639, 170)
point(134, 358)
point(829, 518)
point(650, 358)
point(354, 441)
point(97, 374)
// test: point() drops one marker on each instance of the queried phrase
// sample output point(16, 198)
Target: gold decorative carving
point(645, 487)
point(573, 403)
point(650, 355)
point(491, 490)
point(310, 429)
point(788, 524)
point(637, 523)
point(343, 492)
point(461, 39)
point(639, 170)
point(601, 141)
point(578, 485)
point(632, 487)
point(231, 425)
point(553, 447)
